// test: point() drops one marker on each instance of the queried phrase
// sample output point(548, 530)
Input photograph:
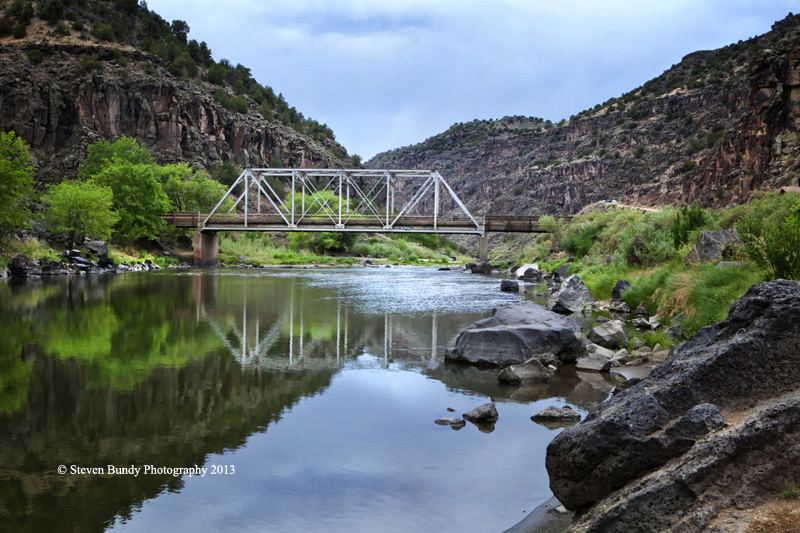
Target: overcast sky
point(389, 73)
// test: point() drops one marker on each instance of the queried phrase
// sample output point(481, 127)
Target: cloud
point(390, 73)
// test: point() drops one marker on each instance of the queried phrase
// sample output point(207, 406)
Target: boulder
point(531, 269)
point(572, 297)
point(97, 248)
point(655, 457)
point(22, 267)
point(621, 286)
point(508, 285)
point(563, 271)
point(596, 362)
point(619, 306)
point(483, 414)
point(532, 371)
point(551, 412)
point(517, 333)
point(54, 268)
point(712, 245)
point(105, 262)
point(676, 333)
point(609, 334)
point(479, 267)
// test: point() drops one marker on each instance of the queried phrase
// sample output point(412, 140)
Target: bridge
point(341, 200)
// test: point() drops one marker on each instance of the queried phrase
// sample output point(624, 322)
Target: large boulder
point(621, 286)
point(655, 457)
point(609, 334)
point(483, 414)
point(508, 285)
point(571, 297)
point(517, 333)
point(22, 267)
point(97, 248)
point(479, 267)
point(713, 245)
point(529, 272)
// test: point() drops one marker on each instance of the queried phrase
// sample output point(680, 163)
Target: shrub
point(688, 165)
point(688, 219)
point(20, 31)
point(770, 234)
point(89, 63)
point(35, 56)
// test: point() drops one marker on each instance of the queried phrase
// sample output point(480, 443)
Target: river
point(308, 395)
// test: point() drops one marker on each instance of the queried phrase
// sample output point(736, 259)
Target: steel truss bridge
point(342, 200)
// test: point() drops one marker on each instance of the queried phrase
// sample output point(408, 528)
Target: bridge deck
point(262, 222)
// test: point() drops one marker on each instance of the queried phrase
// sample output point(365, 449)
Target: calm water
point(312, 391)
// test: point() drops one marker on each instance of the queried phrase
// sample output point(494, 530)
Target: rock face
point(59, 111)
point(515, 334)
point(572, 297)
point(620, 464)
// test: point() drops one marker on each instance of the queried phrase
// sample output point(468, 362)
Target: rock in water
point(531, 371)
point(483, 414)
point(572, 297)
point(556, 413)
point(609, 334)
point(479, 267)
point(653, 457)
point(517, 333)
point(509, 286)
point(22, 267)
point(455, 423)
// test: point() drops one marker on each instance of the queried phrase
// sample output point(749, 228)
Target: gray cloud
point(384, 74)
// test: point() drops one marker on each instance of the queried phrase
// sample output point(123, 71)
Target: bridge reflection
point(307, 328)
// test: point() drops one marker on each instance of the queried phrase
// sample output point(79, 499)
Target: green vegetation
point(648, 249)
point(78, 209)
point(16, 182)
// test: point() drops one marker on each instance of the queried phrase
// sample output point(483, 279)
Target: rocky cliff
point(61, 94)
point(713, 128)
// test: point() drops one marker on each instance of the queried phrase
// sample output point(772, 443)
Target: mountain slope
point(104, 69)
point(713, 128)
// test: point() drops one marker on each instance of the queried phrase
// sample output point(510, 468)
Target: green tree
point(79, 209)
point(190, 191)
point(138, 198)
point(16, 181)
point(101, 154)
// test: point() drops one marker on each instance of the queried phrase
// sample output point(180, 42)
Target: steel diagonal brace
point(415, 200)
point(365, 200)
point(230, 190)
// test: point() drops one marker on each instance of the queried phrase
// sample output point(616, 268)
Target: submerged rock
point(531, 371)
point(557, 413)
point(572, 297)
point(455, 423)
point(658, 456)
point(517, 333)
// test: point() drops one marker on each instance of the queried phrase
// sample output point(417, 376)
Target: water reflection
point(178, 369)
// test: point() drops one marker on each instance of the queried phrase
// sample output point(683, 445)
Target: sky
point(389, 73)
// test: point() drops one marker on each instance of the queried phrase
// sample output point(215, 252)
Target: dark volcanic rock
point(509, 286)
point(713, 245)
point(97, 248)
point(572, 297)
point(621, 286)
point(749, 359)
point(483, 414)
point(557, 413)
point(479, 267)
point(22, 267)
point(515, 334)
point(609, 334)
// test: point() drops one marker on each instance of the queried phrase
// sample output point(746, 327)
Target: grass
point(31, 247)
point(790, 491)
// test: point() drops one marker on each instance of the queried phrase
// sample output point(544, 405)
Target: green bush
point(688, 165)
point(35, 56)
point(20, 31)
point(770, 233)
point(688, 219)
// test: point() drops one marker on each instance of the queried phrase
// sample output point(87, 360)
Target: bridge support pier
point(483, 247)
point(206, 249)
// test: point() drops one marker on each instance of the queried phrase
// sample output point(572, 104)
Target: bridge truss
point(340, 200)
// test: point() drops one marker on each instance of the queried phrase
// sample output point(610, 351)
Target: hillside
point(76, 71)
point(712, 129)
